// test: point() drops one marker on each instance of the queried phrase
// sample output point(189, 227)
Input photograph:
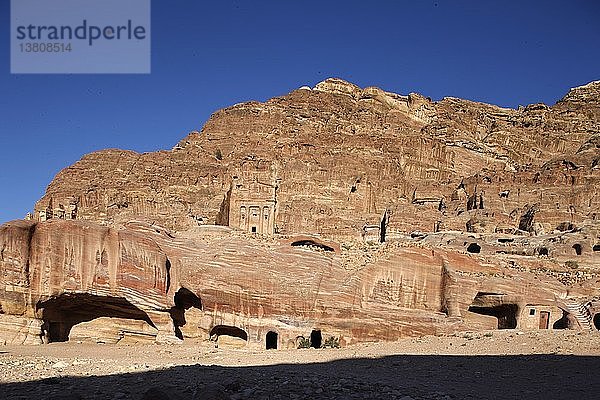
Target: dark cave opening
point(383, 227)
point(312, 243)
point(578, 249)
point(316, 339)
point(271, 340)
point(563, 322)
point(505, 313)
point(168, 269)
point(597, 321)
point(474, 248)
point(542, 251)
point(184, 300)
point(61, 313)
point(227, 330)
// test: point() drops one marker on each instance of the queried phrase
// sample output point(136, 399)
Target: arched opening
point(474, 248)
point(563, 322)
point(61, 313)
point(227, 330)
point(316, 339)
point(312, 243)
point(229, 335)
point(596, 247)
point(271, 340)
point(597, 321)
point(543, 251)
point(577, 248)
point(184, 300)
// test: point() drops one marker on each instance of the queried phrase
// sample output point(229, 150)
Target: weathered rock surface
point(329, 216)
point(333, 160)
point(140, 282)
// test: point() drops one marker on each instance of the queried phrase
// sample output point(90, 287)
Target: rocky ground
point(489, 365)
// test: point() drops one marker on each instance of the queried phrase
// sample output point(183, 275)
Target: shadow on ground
point(416, 376)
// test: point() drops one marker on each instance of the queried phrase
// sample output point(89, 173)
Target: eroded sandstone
point(330, 213)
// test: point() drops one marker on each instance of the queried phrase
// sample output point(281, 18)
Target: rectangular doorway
point(544, 319)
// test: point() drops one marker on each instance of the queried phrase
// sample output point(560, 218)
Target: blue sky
point(209, 55)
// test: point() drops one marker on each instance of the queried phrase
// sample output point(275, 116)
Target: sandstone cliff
point(337, 159)
point(332, 212)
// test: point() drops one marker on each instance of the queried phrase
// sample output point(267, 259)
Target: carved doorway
point(544, 319)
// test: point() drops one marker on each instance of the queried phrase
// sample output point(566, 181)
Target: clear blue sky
point(209, 55)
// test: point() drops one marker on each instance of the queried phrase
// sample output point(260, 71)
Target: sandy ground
point(488, 365)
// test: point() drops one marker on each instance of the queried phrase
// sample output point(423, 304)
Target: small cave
point(563, 322)
point(474, 248)
point(505, 240)
point(578, 249)
point(526, 219)
point(383, 226)
point(472, 202)
point(470, 226)
point(61, 313)
point(565, 227)
point(312, 243)
point(596, 247)
point(168, 269)
point(505, 313)
point(184, 300)
point(597, 321)
point(542, 251)
point(441, 205)
point(271, 340)
point(316, 339)
point(226, 330)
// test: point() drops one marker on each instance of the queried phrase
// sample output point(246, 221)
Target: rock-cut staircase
point(581, 313)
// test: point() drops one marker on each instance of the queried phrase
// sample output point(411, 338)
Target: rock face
point(334, 213)
point(333, 160)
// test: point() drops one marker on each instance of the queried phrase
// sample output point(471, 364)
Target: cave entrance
point(271, 340)
point(61, 313)
point(184, 300)
point(474, 248)
point(316, 339)
point(596, 247)
point(563, 322)
point(385, 219)
point(496, 305)
point(229, 335)
point(577, 248)
point(597, 321)
point(312, 243)
point(506, 314)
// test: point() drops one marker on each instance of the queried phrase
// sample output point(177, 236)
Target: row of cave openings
point(542, 251)
point(508, 314)
point(271, 338)
point(60, 314)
